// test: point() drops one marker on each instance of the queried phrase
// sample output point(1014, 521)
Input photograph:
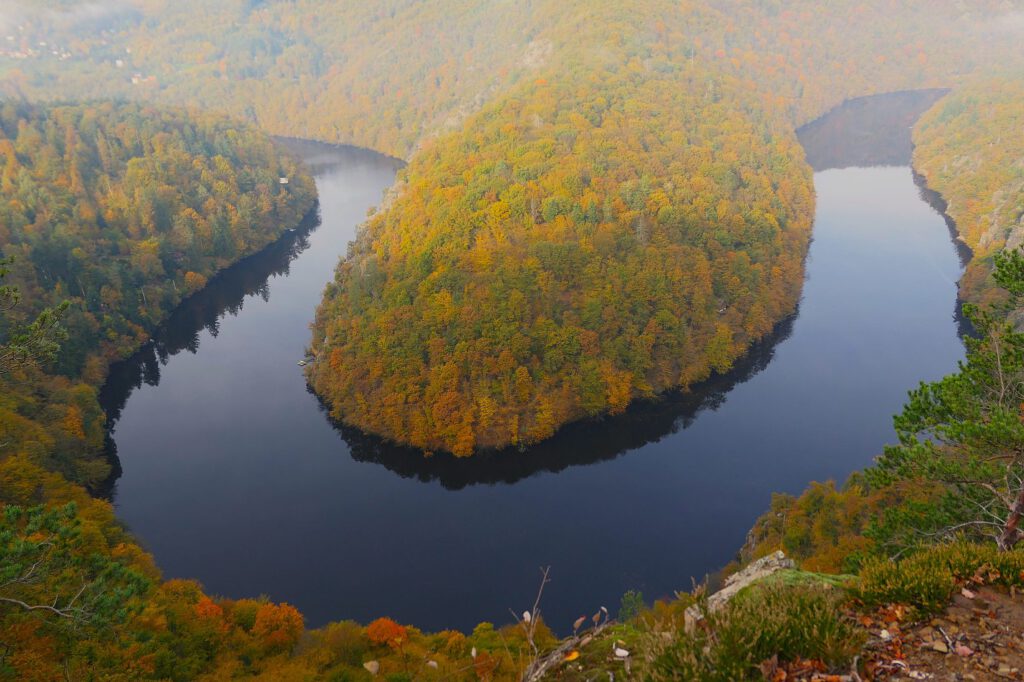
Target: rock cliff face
point(734, 584)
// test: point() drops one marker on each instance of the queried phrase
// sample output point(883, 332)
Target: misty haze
point(497, 340)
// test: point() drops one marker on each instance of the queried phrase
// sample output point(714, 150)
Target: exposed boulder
point(758, 570)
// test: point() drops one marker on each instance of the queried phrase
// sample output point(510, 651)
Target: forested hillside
point(564, 147)
point(381, 74)
point(119, 211)
point(970, 149)
point(578, 245)
point(606, 232)
point(385, 74)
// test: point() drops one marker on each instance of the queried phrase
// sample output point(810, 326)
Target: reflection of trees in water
point(581, 443)
point(321, 157)
point(935, 200)
point(224, 294)
point(964, 252)
point(867, 131)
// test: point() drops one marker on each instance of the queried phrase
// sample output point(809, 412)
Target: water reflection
point(580, 443)
point(867, 131)
point(224, 295)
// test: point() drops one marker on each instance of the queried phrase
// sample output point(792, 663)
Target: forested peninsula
point(550, 262)
point(560, 257)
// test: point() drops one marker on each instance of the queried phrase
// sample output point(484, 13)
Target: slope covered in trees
point(385, 75)
point(603, 233)
point(627, 223)
point(118, 211)
point(381, 74)
point(562, 147)
point(969, 148)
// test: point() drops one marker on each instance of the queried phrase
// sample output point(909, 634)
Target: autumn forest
point(600, 203)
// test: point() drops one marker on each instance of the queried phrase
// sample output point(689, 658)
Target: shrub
point(342, 642)
point(803, 621)
point(919, 582)
point(631, 606)
point(927, 580)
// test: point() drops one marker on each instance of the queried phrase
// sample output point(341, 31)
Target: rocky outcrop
point(758, 570)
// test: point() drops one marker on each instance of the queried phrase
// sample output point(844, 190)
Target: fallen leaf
point(967, 593)
point(372, 667)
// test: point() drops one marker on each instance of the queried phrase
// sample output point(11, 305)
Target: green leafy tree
point(46, 569)
point(36, 342)
point(963, 437)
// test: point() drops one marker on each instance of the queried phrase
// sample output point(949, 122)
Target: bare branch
point(41, 607)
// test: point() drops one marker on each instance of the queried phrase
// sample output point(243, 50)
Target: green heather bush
point(927, 580)
point(918, 582)
point(804, 621)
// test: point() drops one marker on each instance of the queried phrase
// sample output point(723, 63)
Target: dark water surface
point(233, 475)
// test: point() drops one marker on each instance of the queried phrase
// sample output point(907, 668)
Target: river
point(231, 472)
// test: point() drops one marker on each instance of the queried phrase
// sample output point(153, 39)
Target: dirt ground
point(980, 636)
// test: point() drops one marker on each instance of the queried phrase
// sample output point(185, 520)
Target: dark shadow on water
point(935, 200)
point(224, 294)
point(581, 443)
point(867, 131)
point(965, 328)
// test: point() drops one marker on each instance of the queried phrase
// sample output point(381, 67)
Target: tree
point(36, 342)
point(965, 434)
point(46, 569)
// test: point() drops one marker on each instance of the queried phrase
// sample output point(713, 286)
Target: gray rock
point(758, 570)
